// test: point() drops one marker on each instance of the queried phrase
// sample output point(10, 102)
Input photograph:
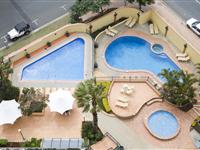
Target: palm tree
point(179, 87)
point(142, 2)
point(88, 95)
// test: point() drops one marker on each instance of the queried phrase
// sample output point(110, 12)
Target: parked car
point(19, 30)
point(194, 25)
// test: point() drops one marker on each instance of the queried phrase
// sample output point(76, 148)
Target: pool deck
point(104, 70)
point(88, 64)
point(49, 125)
point(135, 100)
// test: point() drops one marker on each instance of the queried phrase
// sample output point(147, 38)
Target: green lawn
point(28, 39)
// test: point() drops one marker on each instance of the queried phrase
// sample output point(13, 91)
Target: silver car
point(194, 25)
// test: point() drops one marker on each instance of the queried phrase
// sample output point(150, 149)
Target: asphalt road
point(185, 8)
point(34, 12)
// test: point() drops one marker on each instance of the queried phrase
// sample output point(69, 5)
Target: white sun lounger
point(128, 21)
point(151, 28)
point(113, 30)
point(122, 99)
point(155, 29)
point(109, 33)
point(132, 23)
point(184, 59)
point(181, 54)
point(121, 104)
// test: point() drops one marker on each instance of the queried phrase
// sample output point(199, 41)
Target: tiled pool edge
point(145, 121)
point(88, 65)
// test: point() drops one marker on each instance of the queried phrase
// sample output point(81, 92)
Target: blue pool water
point(163, 124)
point(133, 53)
point(65, 63)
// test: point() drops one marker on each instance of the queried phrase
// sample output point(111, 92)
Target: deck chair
point(122, 99)
point(121, 104)
point(151, 28)
point(184, 59)
point(109, 33)
point(156, 29)
point(132, 22)
point(181, 55)
point(113, 30)
point(128, 21)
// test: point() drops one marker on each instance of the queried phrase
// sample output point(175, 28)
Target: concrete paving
point(185, 8)
point(122, 133)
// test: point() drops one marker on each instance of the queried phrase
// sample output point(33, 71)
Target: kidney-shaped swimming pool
point(134, 53)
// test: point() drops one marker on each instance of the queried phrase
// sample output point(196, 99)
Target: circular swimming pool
point(162, 124)
point(133, 53)
point(157, 48)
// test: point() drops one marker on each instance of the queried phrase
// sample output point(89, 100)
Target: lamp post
point(90, 28)
point(184, 47)
point(138, 14)
point(20, 131)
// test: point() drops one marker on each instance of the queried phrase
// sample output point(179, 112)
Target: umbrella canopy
point(60, 101)
point(9, 112)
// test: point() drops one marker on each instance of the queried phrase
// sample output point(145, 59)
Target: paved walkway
point(121, 132)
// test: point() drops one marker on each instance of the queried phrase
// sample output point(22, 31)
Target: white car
point(194, 25)
point(19, 30)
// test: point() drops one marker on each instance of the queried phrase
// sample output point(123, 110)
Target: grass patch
point(105, 104)
point(40, 33)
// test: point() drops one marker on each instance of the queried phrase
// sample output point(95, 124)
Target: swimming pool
point(64, 63)
point(163, 124)
point(134, 53)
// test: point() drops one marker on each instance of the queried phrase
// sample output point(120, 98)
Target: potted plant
point(49, 44)
point(27, 55)
point(67, 34)
point(179, 88)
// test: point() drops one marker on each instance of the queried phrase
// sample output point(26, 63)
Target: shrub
point(96, 45)
point(3, 142)
point(106, 105)
point(49, 44)
point(32, 143)
point(95, 65)
point(88, 133)
point(7, 91)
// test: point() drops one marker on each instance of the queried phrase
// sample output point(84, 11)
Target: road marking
point(198, 2)
point(4, 39)
point(63, 7)
point(36, 21)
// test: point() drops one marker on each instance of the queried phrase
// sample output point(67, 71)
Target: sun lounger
point(181, 54)
point(123, 100)
point(184, 59)
point(113, 30)
point(155, 29)
point(132, 23)
point(128, 21)
point(121, 104)
point(151, 28)
point(129, 92)
point(109, 33)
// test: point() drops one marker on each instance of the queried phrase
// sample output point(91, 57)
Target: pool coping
point(138, 70)
point(145, 121)
point(88, 64)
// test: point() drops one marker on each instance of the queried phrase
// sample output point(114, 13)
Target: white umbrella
point(60, 101)
point(9, 112)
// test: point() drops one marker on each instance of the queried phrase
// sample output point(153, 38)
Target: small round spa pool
point(157, 48)
point(162, 124)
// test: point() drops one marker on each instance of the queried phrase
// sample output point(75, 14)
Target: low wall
point(107, 19)
point(71, 28)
